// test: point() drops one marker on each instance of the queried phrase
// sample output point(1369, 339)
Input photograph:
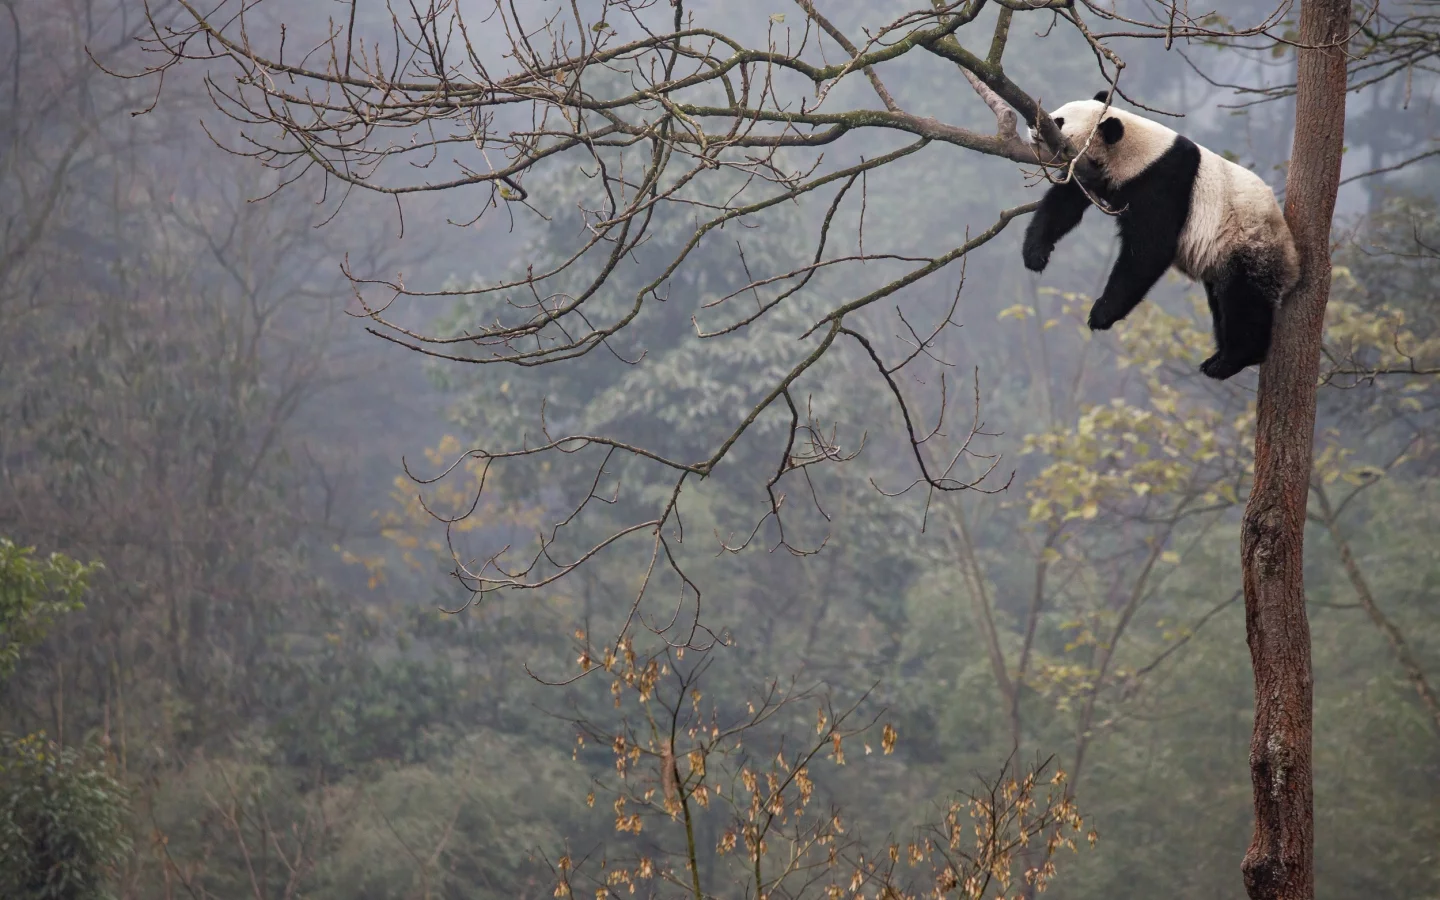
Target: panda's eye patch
point(1060, 122)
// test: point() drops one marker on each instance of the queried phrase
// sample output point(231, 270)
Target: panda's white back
point(1230, 207)
point(1214, 220)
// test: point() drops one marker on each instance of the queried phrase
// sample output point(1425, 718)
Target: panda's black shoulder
point(1168, 183)
point(1178, 165)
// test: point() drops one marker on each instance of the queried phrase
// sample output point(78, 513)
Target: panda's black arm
point(1149, 240)
point(1059, 212)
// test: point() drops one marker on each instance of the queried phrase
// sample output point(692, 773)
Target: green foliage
point(33, 594)
point(235, 827)
point(347, 703)
point(62, 822)
point(62, 815)
point(470, 825)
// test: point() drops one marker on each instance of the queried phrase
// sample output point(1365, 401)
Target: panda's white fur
point(1231, 207)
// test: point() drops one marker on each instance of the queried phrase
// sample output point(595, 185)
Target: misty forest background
point(258, 692)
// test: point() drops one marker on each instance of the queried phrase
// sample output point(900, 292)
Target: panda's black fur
point(1178, 204)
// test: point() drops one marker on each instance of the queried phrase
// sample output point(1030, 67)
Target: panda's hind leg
point(1216, 312)
point(1242, 304)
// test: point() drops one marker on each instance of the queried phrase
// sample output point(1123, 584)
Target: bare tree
point(1280, 862)
point(658, 109)
point(652, 103)
point(689, 772)
point(54, 102)
point(1341, 49)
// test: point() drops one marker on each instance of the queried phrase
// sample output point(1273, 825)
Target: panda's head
point(1112, 143)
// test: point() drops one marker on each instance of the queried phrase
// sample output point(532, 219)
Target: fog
point(327, 651)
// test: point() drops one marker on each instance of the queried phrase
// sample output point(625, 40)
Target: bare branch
point(674, 127)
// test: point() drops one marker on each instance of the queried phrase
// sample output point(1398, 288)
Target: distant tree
point(63, 829)
point(33, 594)
point(62, 815)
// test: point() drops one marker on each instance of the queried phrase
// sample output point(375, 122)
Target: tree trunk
point(1280, 862)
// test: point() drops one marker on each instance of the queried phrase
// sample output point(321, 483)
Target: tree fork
point(1280, 862)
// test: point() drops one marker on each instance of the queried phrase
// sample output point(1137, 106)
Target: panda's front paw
point(1101, 317)
point(1220, 368)
point(1036, 255)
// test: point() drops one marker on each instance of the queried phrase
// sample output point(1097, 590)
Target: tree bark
point(1280, 862)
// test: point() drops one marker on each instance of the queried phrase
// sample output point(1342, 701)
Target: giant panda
point(1178, 204)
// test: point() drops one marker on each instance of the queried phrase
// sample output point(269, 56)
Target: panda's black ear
point(1112, 129)
point(1100, 97)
